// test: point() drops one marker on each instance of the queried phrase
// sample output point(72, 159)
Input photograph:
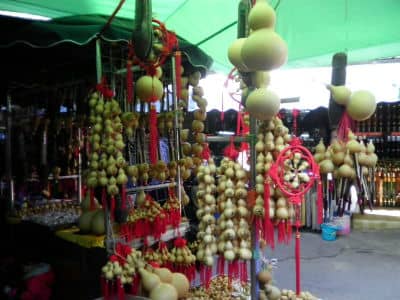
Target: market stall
point(117, 166)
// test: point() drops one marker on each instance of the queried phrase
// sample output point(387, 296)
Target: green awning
point(313, 29)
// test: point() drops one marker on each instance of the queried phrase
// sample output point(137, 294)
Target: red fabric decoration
point(178, 62)
point(120, 289)
point(103, 89)
point(230, 151)
point(268, 226)
point(153, 145)
point(206, 154)
point(135, 284)
point(104, 288)
point(281, 232)
point(205, 275)
point(345, 124)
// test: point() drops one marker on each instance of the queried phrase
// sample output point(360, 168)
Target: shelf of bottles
point(383, 128)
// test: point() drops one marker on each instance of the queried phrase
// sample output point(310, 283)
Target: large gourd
point(85, 221)
point(264, 50)
point(164, 291)
point(361, 106)
point(149, 88)
point(263, 104)
point(97, 224)
point(234, 55)
point(340, 94)
point(262, 15)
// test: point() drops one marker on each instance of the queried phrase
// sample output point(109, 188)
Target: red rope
point(268, 226)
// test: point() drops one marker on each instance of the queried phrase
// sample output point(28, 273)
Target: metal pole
point(252, 183)
point(9, 154)
point(79, 166)
point(99, 68)
point(177, 130)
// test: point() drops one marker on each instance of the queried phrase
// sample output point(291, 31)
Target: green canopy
point(313, 29)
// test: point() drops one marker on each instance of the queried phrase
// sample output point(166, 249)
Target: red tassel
point(206, 154)
point(120, 290)
point(230, 273)
point(281, 232)
point(221, 265)
point(104, 287)
point(153, 146)
point(135, 284)
point(230, 151)
point(320, 204)
point(243, 271)
point(268, 226)
point(178, 62)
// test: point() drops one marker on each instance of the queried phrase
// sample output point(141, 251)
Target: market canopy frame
point(313, 29)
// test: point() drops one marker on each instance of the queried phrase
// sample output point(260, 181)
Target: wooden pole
point(335, 111)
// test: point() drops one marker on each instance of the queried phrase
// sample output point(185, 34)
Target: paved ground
point(364, 265)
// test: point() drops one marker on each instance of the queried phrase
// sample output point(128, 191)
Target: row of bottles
point(385, 119)
point(387, 183)
point(386, 146)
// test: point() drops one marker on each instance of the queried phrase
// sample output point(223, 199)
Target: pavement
point(360, 266)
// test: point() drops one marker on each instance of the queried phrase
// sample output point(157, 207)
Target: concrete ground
point(361, 266)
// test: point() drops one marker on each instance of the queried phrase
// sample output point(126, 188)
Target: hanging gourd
point(262, 15)
point(340, 94)
point(234, 55)
point(264, 50)
point(361, 106)
point(149, 88)
point(263, 104)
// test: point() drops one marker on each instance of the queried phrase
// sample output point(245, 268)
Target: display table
point(84, 240)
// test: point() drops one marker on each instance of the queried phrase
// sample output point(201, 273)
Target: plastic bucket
point(344, 224)
point(329, 232)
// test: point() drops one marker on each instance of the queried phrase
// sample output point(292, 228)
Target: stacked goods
point(349, 163)
point(207, 242)
point(182, 259)
point(360, 105)
point(268, 291)
point(127, 268)
point(270, 203)
point(234, 244)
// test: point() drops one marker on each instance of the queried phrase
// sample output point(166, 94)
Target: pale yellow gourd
point(164, 291)
point(264, 50)
point(340, 93)
point(149, 280)
point(262, 15)
point(361, 106)
point(181, 284)
point(149, 88)
point(234, 55)
point(263, 104)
